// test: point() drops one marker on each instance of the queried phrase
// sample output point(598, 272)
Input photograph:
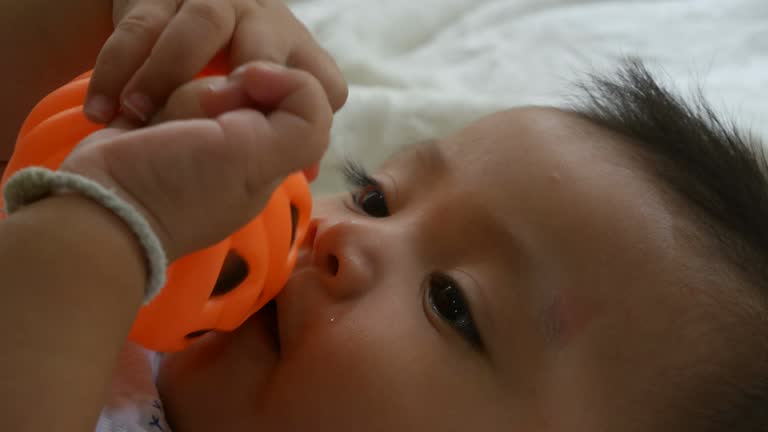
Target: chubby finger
point(204, 98)
point(186, 102)
point(292, 136)
point(256, 40)
point(213, 96)
point(199, 30)
point(312, 172)
point(123, 54)
point(257, 102)
point(313, 58)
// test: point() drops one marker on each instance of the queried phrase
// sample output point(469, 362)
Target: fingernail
point(219, 85)
point(263, 65)
point(99, 108)
point(312, 172)
point(275, 67)
point(238, 72)
point(139, 106)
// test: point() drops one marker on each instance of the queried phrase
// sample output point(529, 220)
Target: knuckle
point(338, 93)
point(208, 12)
point(112, 57)
point(141, 25)
point(322, 115)
point(322, 140)
point(326, 118)
point(306, 79)
point(313, 58)
point(272, 56)
point(325, 110)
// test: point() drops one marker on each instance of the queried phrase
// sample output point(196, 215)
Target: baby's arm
point(72, 282)
point(92, 279)
point(73, 274)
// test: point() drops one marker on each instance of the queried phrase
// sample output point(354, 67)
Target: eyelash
point(364, 188)
point(356, 175)
point(444, 297)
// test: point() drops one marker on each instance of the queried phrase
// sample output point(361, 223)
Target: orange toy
point(191, 303)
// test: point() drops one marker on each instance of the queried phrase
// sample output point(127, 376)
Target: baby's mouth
point(268, 315)
point(266, 318)
point(262, 328)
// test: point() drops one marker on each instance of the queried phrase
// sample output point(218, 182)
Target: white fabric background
point(421, 68)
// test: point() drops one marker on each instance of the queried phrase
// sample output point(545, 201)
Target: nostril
point(333, 265)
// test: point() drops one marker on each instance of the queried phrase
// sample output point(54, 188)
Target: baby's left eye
point(447, 300)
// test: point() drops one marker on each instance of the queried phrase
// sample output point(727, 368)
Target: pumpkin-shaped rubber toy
point(191, 302)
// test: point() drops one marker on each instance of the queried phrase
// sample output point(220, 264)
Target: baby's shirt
point(133, 403)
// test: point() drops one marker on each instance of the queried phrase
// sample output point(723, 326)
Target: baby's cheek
point(354, 356)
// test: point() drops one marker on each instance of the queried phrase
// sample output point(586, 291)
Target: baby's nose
point(346, 260)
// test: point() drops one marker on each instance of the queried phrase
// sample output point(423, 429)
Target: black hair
point(720, 172)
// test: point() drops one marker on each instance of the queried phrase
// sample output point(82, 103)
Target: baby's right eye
point(372, 202)
point(367, 194)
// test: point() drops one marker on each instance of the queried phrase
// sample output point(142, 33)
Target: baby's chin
point(218, 369)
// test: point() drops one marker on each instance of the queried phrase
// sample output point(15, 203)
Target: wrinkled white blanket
point(420, 68)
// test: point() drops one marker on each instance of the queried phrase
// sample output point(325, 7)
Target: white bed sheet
point(422, 68)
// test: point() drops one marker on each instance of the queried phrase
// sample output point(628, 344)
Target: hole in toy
point(197, 334)
point(233, 273)
point(294, 222)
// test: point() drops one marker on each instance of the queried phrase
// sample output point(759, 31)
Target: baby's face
point(519, 275)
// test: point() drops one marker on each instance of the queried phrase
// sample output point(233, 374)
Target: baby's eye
point(446, 299)
point(367, 194)
point(372, 202)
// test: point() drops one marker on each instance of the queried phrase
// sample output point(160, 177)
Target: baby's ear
point(203, 98)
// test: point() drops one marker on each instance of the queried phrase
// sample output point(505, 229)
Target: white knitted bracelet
point(34, 183)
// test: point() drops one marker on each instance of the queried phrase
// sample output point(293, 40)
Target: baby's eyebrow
point(429, 158)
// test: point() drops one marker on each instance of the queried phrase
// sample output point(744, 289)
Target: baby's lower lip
point(261, 327)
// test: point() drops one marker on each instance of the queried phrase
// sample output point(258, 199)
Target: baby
point(595, 268)
point(598, 267)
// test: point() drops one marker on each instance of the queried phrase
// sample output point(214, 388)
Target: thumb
point(295, 130)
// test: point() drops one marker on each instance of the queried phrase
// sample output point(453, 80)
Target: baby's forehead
point(529, 148)
point(558, 141)
point(543, 170)
point(535, 126)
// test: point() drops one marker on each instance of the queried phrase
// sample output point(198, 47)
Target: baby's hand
point(209, 97)
point(158, 45)
point(212, 96)
point(198, 180)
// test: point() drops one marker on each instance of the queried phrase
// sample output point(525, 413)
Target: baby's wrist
point(33, 184)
